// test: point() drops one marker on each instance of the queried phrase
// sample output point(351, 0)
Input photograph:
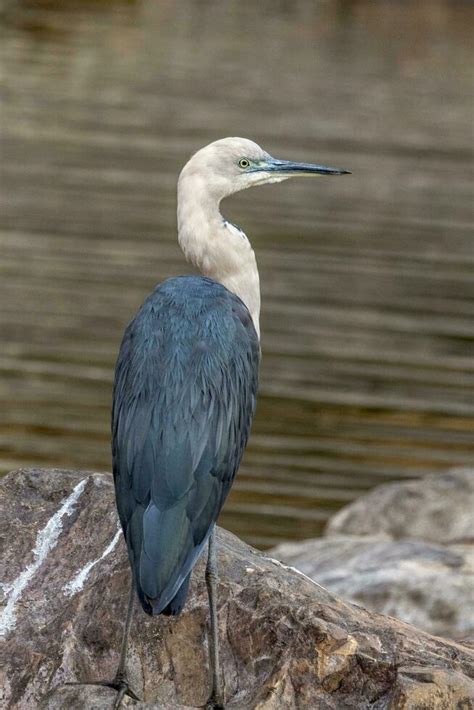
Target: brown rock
point(286, 641)
point(428, 585)
point(372, 556)
point(437, 508)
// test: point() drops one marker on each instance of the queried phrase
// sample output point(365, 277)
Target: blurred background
point(367, 281)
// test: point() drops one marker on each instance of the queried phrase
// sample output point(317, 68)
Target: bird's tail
point(163, 553)
point(176, 605)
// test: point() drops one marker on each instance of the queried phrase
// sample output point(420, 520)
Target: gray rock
point(437, 508)
point(372, 556)
point(431, 586)
point(286, 641)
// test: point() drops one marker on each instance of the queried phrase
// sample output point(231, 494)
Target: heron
point(185, 391)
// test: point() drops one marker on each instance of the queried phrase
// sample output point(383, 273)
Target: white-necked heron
point(185, 389)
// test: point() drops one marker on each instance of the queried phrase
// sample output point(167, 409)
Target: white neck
point(218, 249)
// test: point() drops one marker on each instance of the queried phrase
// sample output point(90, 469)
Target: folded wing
point(184, 399)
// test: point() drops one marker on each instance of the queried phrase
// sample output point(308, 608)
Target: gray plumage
point(184, 398)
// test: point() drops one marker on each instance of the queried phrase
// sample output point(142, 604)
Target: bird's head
point(233, 164)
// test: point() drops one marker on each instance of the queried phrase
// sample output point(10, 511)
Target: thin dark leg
point(120, 683)
point(216, 700)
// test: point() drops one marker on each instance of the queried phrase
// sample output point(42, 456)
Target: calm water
point(368, 290)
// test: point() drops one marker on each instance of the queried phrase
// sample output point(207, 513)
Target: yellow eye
point(244, 163)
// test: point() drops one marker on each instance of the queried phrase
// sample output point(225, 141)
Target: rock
point(285, 641)
point(424, 584)
point(437, 508)
point(371, 555)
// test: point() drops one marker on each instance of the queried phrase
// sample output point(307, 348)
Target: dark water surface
point(368, 290)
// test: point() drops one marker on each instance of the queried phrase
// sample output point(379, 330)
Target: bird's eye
point(244, 163)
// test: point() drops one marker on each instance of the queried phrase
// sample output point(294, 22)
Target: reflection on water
point(368, 294)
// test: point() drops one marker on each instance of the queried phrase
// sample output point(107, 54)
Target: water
point(368, 291)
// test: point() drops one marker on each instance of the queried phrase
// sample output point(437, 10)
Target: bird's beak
point(287, 168)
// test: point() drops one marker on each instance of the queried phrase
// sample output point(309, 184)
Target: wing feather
point(184, 399)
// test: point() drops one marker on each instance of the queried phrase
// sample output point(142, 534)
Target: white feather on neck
point(217, 248)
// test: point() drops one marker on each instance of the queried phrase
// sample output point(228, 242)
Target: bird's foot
point(214, 703)
point(119, 684)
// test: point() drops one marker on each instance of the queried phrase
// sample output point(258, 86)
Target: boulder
point(286, 642)
point(404, 549)
point(436, 508)
point(431, 586)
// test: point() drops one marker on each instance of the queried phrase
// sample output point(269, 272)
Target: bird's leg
point(120, 683)
point(216, 699)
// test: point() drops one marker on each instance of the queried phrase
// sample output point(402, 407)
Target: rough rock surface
point(431, 586)
point(286, 641)
point(436, 508)
point(428, 581)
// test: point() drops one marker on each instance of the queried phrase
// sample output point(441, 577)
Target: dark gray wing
point(184, 399)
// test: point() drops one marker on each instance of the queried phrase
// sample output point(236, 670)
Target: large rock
point(286, 641)
point(436, 508)
point(372, 557)
point(431, 586)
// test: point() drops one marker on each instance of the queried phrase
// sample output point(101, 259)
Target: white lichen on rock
point(46, 540)
point(77, 583)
